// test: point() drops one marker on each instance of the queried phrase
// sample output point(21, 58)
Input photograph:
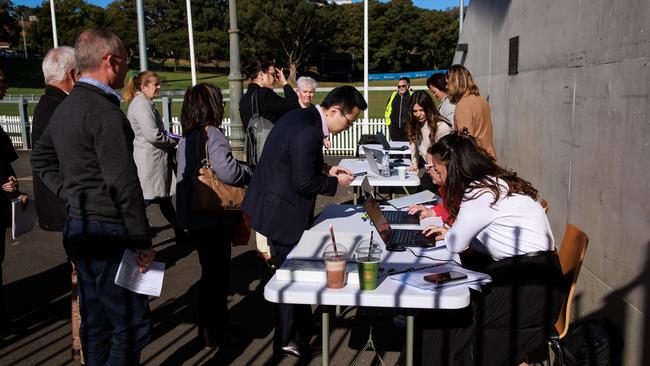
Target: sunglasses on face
point(401, 86)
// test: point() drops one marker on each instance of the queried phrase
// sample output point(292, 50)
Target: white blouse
point(514, 225)
point(424, 143)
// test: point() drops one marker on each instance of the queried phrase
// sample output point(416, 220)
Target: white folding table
point(361, 165)
point(392, 151)
point(389, 293)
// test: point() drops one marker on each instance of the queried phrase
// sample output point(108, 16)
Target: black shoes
point(301, 350)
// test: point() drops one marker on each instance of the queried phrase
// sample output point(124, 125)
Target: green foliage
point(72, 17)
point(9, 27)
point(294, 33)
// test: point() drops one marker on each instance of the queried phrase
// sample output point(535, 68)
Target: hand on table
point(413, 168)
point(424, 212)
point(439, 232)
point(145, 257)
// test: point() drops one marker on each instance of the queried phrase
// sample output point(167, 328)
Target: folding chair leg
point(370, 345)
point(557, 351)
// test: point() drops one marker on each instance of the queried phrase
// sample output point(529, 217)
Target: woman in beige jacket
point(153, 147)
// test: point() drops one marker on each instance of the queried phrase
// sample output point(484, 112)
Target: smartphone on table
point(444, 277)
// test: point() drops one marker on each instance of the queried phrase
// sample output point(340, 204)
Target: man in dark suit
point(60, 72)
point(290, 174)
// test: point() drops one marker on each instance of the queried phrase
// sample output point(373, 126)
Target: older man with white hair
point(60, 72)
point(306, 90)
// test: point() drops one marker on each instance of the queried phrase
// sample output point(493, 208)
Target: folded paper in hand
point(128, 275)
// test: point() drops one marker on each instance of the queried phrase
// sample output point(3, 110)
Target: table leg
point(409, 337)
point(326, 335)
point(355, 195)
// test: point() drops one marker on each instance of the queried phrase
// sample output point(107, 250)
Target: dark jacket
point(190, 153)
point(400, 104)
point(49, 208)
point(271, 106)
point(289, 177)
point(7, 156)
point(85, 156)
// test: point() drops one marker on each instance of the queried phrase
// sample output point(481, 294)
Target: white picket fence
point(343, 144)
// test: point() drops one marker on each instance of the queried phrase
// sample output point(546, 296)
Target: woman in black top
point(268, 104)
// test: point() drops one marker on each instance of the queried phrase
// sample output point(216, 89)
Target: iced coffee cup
point(335, 265)
point(368, 257)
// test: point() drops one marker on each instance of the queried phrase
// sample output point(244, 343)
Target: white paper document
point(416, 278)
point(129, 276)
point(413, 199)
point(23, 217)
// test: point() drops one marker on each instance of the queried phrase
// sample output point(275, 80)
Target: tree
point(9, 27)
point(290, 31)
point(72, 17)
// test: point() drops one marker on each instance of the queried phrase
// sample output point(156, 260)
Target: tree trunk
point(293, 72)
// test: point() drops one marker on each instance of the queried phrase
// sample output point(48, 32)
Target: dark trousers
point(166, 208)
point(213, 247)
point(505, 323)
point(292, 321)
point(115, 322)
point(397, 133)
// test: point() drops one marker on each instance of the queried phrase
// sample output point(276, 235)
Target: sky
point(427, 4)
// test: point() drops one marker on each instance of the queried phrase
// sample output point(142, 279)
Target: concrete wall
point(575, 121)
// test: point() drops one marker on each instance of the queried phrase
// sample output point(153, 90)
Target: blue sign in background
point(412, 75)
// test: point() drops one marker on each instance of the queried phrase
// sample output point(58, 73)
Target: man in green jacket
point(397, 110)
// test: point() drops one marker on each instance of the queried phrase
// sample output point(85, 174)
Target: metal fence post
point(24, 123)
point(167, 112)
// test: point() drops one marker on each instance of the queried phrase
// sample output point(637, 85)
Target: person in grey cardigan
point(201, 121)
point(153, 148)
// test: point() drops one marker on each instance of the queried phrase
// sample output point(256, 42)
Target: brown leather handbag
point(211, 195)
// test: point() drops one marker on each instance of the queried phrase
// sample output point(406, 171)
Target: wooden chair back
point(544, 204)
point(572, 254)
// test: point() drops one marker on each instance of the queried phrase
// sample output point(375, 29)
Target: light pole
point(190, 34)
point(55, 38)
point(142, 39)
point(235, 86)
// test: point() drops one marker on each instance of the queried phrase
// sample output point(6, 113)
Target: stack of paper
point(412, 199)
point(416, 278)
point(311, 271)
point(312, 243)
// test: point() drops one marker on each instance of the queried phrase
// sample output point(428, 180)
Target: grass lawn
point(181, 80)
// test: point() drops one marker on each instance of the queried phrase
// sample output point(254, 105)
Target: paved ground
point(37, 286)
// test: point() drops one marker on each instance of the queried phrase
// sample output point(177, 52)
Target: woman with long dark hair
point(424, 126)
point(201, 117)
point(496, 214)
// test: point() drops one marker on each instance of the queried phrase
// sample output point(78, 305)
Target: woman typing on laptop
point(496, 214)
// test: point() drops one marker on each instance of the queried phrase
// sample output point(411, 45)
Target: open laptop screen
point(378, 219)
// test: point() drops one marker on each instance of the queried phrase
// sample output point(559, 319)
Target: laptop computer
point(372, 162)
point(384, 142)
point(395, 239)
point(393, 217)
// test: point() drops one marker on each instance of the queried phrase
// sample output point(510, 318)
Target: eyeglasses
point(346, 118)
point(427, 167)
point(127, 59)
point(401, 86)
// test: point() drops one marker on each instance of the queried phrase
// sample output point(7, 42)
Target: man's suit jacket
point(288, 177)
point(49, 207)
